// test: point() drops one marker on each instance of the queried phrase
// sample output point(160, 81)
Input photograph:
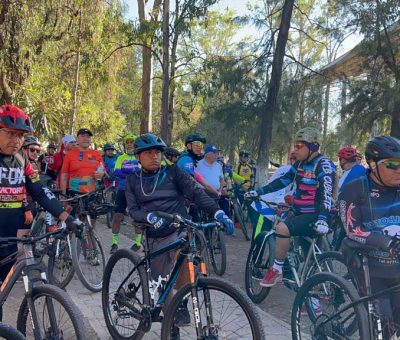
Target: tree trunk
point(326, 111)
point(165, 134)
point(395, 126)
point(273, 91)
point(76, 77)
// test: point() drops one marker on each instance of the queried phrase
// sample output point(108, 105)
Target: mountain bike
point(110, 193)
point(237, 213)
point(86, 249)
point(46, 311)
point(132, 300)
point(343, 313)
point(298, 265)
point(10, 333)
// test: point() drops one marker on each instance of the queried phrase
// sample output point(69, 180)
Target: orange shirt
point(80, 167)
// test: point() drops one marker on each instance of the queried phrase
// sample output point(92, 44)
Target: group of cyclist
point(153, 179)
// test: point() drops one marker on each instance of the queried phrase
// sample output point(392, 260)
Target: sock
point(115, 238)
point(137, 239)
point(278, 265)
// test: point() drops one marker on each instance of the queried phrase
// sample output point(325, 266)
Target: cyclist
point(171, 155)
point(82, 167)
point(314, 177)
point(245, 170)
point(18, 178)
point(370, 212)
point(31, 148)
point(68, 142)
point(351, 168)
point(125, 165)
point(157, 188)
point(47, 162)
point(109, 159)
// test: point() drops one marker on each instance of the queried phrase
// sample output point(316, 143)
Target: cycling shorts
point(120, 202)
point(301, 225)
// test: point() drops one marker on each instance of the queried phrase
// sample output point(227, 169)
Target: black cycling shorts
point(302, 225)
point(120, 202)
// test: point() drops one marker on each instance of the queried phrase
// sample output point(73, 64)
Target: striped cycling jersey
point(314, 185)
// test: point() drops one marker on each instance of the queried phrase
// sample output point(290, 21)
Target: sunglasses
point(34, 150)
point(391, 164)
point(12, 134)
point(299, 145)
point(197, 143)
point(80, 158)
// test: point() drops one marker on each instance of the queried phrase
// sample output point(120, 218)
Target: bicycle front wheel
point(125, 292)
point(88, 259)
point(224, 312)
point(216, 243)
point(259, 259)
point(60, 270)
point(316, 306)
point(57, 316)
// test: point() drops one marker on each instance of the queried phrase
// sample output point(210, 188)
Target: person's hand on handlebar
point(321, 227)
point(72, 223)
point(394, 245)
point(222, 218)
point(157, 221)
point(251, 194)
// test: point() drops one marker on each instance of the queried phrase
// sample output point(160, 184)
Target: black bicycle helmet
point(195, 137)
point(244, 153)
point(382, 147)
point(171, 152)
point(148, 141)
point(31, 140)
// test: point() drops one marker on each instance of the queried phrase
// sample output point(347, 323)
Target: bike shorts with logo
point(162, 264)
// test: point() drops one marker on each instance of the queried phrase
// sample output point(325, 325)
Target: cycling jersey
point(109, 162)
point(370, 214)
point(188, 162)
point(80, 167)
point(314, 185)
point(48, 166)
point(164, 191)
point(350, 174)
point(125, 165)
point(245, 171)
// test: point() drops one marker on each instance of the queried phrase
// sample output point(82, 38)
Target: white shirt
point(212, 173)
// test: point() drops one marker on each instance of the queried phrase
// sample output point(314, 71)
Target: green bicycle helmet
point(307, 134)
point(148, 141)
point(129, 137)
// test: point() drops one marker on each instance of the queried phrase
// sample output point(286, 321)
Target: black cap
point(82, 131)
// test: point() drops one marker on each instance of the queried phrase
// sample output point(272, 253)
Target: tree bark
point(165, 134)
point(273, 91)
point(395, 126)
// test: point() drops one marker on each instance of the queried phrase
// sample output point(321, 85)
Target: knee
point(282, 229)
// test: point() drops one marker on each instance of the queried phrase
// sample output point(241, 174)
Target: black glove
point(73, 224)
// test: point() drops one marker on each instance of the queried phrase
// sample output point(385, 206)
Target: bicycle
point(10, 333)
point(130, 305)
point(298, 266)
point(344, 314)
point(110, 193)
point(46, 311)
point(237, 213)
point(87, 253)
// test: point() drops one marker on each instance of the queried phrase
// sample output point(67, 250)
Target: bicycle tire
point(54, 294)
point(338, 286)
point(90, 274)
point(38, 226)
point(217, 248)
point(326, 263)
point(110, 198)
point(60, 269)
point(260, 258)
point(10, 333)
point(239, 217)
point(213, 290)
point(110, 303)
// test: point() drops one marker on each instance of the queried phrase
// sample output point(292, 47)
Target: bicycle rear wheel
point(123, 303)
point(217, 247)
point(60, 269)
point(223, 310)
point(319, 299)
point(259, 259)
point(239, 217)
point(58, 317)
point(110, 198)
point(10, 333)
point(88, 259)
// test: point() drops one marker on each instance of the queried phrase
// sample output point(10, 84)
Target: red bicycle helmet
point(348, 152)
point(13, 117)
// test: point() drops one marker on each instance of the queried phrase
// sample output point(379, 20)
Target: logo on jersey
point(12, 176)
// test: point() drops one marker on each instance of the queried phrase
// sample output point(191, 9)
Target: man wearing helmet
point(31, 149)
point(314, 176)
point(17, 179)
point(370, 212)
point(125, 165)
point(171, 155)
point(245, 170)
point(109, 160)
point(159, 188)
point(47, 162)
point(351, 168)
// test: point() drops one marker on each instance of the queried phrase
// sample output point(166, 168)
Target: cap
point(67, 139)
point(82, 131)
point(210, 148)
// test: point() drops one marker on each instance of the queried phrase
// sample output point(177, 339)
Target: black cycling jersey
point(164, 191)
point(370, 214)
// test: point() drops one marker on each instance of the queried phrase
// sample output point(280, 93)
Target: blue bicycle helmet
point(148, 141)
